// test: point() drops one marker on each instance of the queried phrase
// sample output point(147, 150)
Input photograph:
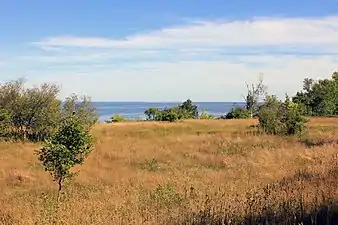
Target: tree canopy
point(36, 113)
point(319, 98)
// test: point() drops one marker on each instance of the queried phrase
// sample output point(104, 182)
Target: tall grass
point(191, 172)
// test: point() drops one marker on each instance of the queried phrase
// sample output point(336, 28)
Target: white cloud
point(204, 60)
point(255, 32)
point(200, 80)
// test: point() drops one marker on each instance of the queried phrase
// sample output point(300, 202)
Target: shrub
point(206, 116)
point(169, 115)
point(270, 116)
point(151, 113)
point(255, 93)
point(188, 110)
point(81, 110)
point(282, 118)
point(184, 111)
point(116, 118)
point(68, 147)
point(238, 113)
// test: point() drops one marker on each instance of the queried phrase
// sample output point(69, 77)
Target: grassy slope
point(151, 172)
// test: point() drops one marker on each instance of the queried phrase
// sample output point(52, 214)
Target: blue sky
point(168, 50)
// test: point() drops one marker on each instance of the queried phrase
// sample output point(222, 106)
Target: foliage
point(254, 95)
point(319, 98)
point(270, 115)
point(116, 118)
point(186, 110)
point(81, 110)
point(238, 113)
point(151, 113)
point(5, 123)
point(206, 116)
point(169, 114)
point(282, 118)
point(35, 113)
point(31, 113)
point(68, 147)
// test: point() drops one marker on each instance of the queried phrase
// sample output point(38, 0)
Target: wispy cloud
point(221, 33)
point(204, 60)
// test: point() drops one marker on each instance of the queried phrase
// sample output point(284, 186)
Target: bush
point(116, 118)
point(206, 116)
point(281, 118)
point(169, 115)
point(151, 113)
point(238, 113)
point(184, 111)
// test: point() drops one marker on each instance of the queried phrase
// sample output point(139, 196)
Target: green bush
point(5, 123)
point(188, 110)
point(116, 118)
point(169, 115)
point(238, 113)
point(151, 113)
point(281, 118)
point(184, 111)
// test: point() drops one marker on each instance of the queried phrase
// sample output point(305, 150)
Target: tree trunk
point(60, 187)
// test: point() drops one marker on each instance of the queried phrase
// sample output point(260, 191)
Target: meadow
point(189, 172)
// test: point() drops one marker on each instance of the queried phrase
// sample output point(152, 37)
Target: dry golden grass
point(160, 173)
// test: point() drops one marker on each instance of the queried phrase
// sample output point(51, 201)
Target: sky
point(168, 50)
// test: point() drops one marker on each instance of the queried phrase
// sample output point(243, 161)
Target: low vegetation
point(194, 172)
point(272, 165)
point(116, 119)
point(187, 110)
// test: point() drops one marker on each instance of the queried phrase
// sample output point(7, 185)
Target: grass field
point(178, 173)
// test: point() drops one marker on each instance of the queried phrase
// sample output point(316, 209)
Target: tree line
point(317, 98)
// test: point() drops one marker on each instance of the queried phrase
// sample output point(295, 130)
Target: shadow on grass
point(305, 198)
point(310, 143)
point(326, 214)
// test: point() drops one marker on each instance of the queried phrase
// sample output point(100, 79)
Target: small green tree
point(188, 110)
point(68, 147)
point(151, 113)
point(238, 113)
point(319, 98)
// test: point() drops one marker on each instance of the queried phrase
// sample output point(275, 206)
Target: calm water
point(135, 110)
